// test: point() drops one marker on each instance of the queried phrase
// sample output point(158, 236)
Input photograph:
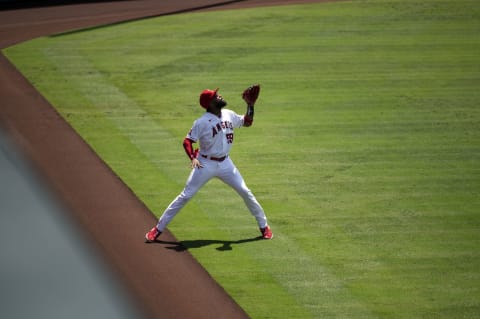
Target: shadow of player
point(225, 245)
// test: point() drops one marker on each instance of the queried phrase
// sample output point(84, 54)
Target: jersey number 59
point(229, 137)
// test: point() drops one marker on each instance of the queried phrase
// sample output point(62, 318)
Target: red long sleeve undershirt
point(188, 146)
point(247, 120)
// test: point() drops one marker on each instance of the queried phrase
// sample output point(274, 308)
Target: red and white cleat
point(152, 235)
point(266, 232)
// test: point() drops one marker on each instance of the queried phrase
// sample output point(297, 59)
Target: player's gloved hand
point(196, 163)
point(251, 93)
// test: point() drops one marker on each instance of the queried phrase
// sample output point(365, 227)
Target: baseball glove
point(250, 94)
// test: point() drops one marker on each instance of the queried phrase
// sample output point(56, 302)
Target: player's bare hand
point(196, 163)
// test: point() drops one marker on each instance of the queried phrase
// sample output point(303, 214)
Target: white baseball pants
point(225, 171)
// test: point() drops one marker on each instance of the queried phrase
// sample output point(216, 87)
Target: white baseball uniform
point(215, 136)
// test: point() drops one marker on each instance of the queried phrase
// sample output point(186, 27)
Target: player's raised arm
point(250, 96)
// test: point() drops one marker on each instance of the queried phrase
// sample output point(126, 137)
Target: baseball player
point(214, 131)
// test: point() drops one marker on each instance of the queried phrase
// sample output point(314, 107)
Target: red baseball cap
point(207, 97)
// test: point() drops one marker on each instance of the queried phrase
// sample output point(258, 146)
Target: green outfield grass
point(365, 151)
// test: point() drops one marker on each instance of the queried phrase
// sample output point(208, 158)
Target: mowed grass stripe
point(155, 142)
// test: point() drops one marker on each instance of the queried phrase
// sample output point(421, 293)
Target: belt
point(218, 159)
